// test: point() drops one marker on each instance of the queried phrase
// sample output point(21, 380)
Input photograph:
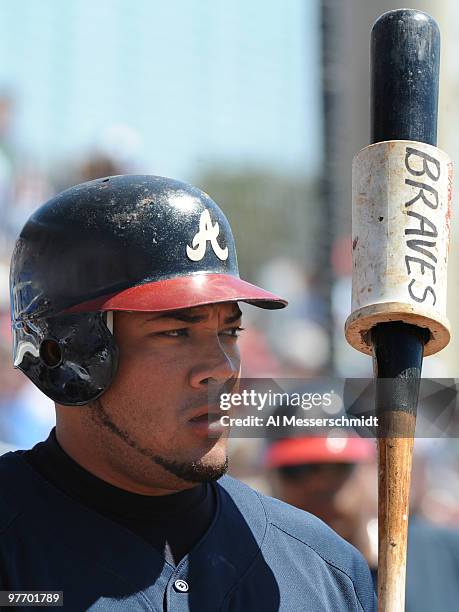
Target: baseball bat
point(401, 215)
point(405, 61)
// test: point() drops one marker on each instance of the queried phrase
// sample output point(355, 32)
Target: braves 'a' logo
point(207, 232)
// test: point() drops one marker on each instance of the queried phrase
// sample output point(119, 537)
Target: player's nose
point(216, 367)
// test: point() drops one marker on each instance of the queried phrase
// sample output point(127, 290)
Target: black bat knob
point(405, 61)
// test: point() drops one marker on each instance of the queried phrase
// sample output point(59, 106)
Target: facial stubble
point(192, 471)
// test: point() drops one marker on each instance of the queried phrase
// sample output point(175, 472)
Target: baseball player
point(125, 296)
point(333, 479)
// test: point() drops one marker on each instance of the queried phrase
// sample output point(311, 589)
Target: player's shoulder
point(293, 523)
point(18, 484)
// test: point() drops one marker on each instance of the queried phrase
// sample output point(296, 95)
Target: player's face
point(156, 412)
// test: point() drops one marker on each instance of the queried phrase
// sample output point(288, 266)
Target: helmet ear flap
point(77, 368)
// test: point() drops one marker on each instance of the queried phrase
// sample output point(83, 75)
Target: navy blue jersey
point(259, 555)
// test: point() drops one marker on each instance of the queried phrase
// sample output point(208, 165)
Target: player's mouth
point(207, 422)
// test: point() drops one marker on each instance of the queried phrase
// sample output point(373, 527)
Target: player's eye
point(232, 332)
point(175, 333)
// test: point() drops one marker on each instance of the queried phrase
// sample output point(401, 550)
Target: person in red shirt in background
point(333, 478)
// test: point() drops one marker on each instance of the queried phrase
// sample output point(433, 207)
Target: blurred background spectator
point(334, 479)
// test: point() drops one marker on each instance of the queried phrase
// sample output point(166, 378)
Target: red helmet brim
point(183, 292)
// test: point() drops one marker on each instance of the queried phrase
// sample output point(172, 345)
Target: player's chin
point(212, 464)
point(210, 469)
point(198, 467)
point(217, 452)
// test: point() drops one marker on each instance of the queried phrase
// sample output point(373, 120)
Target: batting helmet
point(131, 243)
point(312, 449)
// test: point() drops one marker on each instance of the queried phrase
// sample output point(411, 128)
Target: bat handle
point(395, 458)
point(405, 57)
point(398, 352)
